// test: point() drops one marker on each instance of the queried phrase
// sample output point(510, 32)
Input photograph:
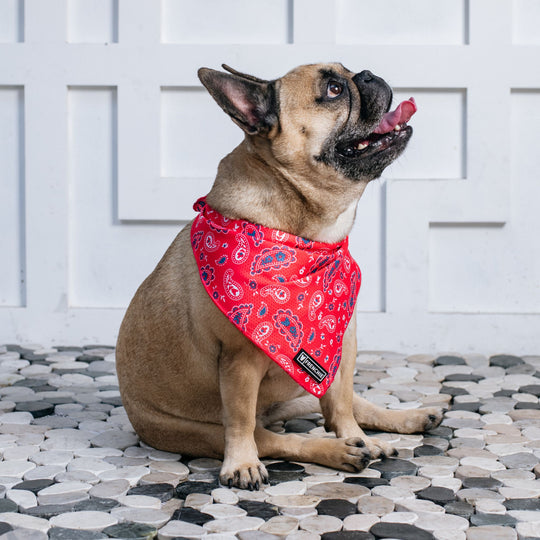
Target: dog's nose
point(365, 76)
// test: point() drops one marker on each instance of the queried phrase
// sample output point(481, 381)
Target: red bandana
point(291, 297)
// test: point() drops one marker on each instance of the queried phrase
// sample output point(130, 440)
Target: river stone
point(491, 532)
point(403, 531)
point(375, 505)
point(481, 483)
point(505, 360)
point(336, 507)
point(480, 520)
point(438, 495)
point(61, 533)
point(259, 509)
point(185, 488)
point(233, 526)
point(336, 490)
point(163, 491)
point(366, 481)
point(390, 468)
point(136, 531)
point(191, 515)
point(88, 521)
point(460, 508)
point(449, 360)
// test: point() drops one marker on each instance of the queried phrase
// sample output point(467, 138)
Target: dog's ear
point(249, 101)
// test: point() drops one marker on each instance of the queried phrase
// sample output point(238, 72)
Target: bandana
point(292, 297)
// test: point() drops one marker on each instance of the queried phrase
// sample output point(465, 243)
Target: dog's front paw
point(244, 476)
point(379, 449)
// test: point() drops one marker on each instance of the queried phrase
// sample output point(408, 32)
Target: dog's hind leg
point(370, 416)
point(285, 410)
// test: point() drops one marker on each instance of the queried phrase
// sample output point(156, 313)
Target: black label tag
point(310, 366)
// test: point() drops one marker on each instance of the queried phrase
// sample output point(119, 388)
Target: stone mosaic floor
point(72, 467)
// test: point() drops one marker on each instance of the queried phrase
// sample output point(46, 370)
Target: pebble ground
point(73, 468)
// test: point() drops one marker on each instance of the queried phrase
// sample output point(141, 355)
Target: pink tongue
point(400, 115)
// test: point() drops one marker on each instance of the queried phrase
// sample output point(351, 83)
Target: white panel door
point(107, 138)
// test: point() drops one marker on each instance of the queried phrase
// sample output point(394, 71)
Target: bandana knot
point(292, 297)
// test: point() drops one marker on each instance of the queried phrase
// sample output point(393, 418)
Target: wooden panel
point(401, 22)
point(11, 21)
point(216, 22)
point(12, 238)
point(92, 22)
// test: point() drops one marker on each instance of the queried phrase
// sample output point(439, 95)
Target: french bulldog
point(249, 317)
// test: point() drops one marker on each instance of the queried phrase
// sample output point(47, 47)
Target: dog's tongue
point(400, 115)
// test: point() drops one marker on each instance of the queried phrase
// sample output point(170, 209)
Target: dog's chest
point(341, 226)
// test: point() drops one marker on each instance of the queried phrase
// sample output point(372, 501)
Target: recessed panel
point(526, 22)
point(12, 248)
point(496, 269)
point(195, 133)
point(107, 259)
point(11, 21)
point(215, 21)
point(401, 22)
point(94, 21)
point(367, 243)
point(437, 147)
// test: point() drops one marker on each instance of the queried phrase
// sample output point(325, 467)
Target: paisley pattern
point(290, 296)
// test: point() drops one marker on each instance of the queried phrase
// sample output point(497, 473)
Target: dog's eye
point(334, 89)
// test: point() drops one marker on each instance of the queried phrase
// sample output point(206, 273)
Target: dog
point(196, 376)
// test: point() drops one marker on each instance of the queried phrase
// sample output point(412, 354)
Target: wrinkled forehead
point(317, 70)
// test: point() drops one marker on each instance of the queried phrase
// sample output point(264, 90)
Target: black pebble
point(505, 360)
point(427, 450)
point(481, 482)
point(96, 504)
point(298, 425)
point(163, 491)
point(192, 515)
point(366, 482)
point(526, 405)
point(522, 504)
point(37, 408)
point(454, 391)
point(441, 431)
point(284, 471)
point(531, 389)
point(460, 508)
point(403, 531)
point(472, 406)
point(47, 511)
point(5, 527)
point(259, 509)
point(463, 377)
point(130, 530)
point(438, 495)
point(7, 505)
point(339, 508)
point(448, 360)
point(390, 468)
point(347, 535)
point(504, 393)
point(34, 485)
point(59, 533)
point(479, 520)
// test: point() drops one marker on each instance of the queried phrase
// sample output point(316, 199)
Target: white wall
point(107, 138)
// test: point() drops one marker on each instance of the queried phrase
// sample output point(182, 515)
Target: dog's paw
point(353, 455)
point(380, 449)
point(244, 476)
point(420, 420)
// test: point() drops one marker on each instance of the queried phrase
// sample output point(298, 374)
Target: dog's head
point(319, 118)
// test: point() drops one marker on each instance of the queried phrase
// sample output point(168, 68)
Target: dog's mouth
point(392, 127)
